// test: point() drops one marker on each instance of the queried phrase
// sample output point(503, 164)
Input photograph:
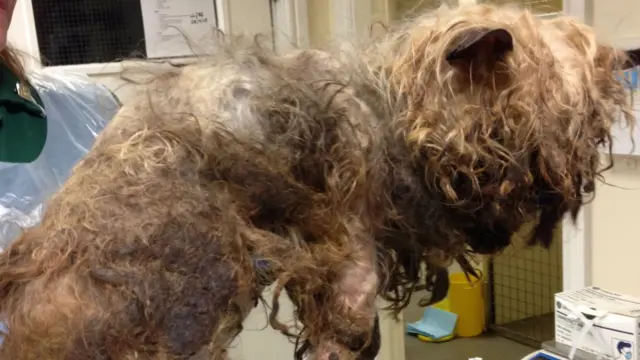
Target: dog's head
point(506, 115)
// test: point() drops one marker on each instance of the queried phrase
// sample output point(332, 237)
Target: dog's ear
point(477, 46)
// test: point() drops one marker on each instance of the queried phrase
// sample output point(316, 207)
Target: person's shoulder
point(16, 92)
point(23, 122)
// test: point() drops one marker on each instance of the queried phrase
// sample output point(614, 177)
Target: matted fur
point(344, 170)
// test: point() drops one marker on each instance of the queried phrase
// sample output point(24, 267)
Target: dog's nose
point(488, 242)
point(485, 249)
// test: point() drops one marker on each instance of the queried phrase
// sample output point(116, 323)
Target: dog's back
point(152, 239)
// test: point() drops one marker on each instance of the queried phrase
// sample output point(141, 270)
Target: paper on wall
point(171, 25)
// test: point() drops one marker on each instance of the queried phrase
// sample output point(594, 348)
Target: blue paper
point(435, 324)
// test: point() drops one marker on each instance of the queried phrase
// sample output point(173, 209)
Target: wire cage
point(522, 284)
point(72, 32)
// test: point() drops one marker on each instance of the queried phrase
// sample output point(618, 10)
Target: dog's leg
point(343, 322)
point(162, 302)
point(354, 311)
point(195, 323)
point(368, 352)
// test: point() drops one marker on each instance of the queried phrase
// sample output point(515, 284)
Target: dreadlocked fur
point(333, 174)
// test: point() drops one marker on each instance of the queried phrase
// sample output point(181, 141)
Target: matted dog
point(332, 174)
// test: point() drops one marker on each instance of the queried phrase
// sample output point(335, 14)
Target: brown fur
point(344, 170)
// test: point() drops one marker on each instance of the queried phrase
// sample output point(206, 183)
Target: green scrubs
point(23, 122)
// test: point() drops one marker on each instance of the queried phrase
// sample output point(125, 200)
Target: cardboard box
point(615, 317)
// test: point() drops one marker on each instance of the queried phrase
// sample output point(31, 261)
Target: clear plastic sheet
point(77, 110)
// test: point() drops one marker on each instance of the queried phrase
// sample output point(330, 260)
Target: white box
point(615, 317)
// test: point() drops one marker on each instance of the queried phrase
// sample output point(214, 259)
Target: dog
point(333, 175)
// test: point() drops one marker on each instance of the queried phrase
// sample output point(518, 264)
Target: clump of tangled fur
point(333, 174)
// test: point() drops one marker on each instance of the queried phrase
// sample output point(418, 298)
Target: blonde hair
point(12, 60)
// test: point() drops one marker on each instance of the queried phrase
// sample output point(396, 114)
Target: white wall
point(616, 19)
point(616, 229)
point(615, 226)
